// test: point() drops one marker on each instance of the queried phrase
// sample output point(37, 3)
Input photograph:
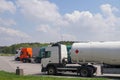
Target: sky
point(44, 21)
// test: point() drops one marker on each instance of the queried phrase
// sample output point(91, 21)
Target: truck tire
point(93, 69)
point(37, 60)
point(51, 70)
point(85, 72)
point(17, 59)
point(29, 61)
point(24, 60)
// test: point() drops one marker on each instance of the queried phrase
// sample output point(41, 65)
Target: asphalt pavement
point(7, 63)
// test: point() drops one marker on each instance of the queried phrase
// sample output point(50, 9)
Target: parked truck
point(83, 57)
point(26, 55)
point(40, 55)
point(29, 54)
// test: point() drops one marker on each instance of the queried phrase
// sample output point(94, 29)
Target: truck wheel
point(37, 61)
point(17, 59)
point(93, 69)
point(29, 61)
point(24, 60)
point(86, 72)
point(51, 70)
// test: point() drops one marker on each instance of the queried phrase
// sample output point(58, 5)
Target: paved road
point(4, 64)
point(8, 64)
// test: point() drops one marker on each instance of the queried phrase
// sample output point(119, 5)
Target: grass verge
point(3, 54)
point(11, 76)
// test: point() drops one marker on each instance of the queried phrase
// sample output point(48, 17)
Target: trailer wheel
point(86, 72)
point(51, 70)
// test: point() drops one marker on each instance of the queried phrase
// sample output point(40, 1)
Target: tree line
point(12, 49)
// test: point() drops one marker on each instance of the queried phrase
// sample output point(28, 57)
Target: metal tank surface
point(101, 52)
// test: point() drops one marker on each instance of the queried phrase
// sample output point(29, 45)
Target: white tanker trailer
point(83, 57)
point(101, 52)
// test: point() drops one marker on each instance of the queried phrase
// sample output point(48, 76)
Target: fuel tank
point(101, 52)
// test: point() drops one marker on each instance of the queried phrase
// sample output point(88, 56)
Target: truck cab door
point(44, 62)
point(46, 58)
point(50, 56)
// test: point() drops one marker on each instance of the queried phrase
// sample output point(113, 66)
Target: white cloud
point(108, 10)
point(7, 22)
point(10, 36)
point(49, 30)
point(39, 9)
point(78, 25)
point(50, 25)
point(44, 28)
point(77, 15)
point(88, 26)
point(48, 33)
point(12, 32)
point(7, 6)
point(68, 37)
point(42, 12)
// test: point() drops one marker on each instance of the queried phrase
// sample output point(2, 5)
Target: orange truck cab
point(26, 55)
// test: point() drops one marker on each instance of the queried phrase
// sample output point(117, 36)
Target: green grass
point(11, 76)
point(3, 54)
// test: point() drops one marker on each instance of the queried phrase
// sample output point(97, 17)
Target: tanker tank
point(101, 52)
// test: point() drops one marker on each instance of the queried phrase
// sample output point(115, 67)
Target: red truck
point(26, 55)
point(31, 54)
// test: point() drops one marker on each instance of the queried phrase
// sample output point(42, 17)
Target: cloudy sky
point(57, 20)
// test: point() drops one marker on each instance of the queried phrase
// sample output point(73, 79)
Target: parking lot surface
point(8, 64)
